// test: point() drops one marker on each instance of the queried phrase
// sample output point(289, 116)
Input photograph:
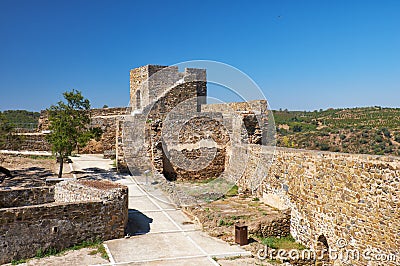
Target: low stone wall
point(353, 200)
point(26, 196)
point(98, 211)
point(277, 225)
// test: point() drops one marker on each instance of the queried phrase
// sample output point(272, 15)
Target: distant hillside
point(22, 118)
point(371, 130)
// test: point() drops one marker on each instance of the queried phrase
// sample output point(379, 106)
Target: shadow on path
point(138, 223)
point(95, 173)
point(28, 177)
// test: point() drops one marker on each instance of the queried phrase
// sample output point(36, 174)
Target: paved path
point(160, 233)
point(91, 162)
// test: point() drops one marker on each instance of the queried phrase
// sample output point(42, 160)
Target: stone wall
point(82, 211)
point(272, 225)
point(165, 91)
point(254, 116)
point(26, 196)
point(104, 118)
point(345, 198)
point(199, 149)
point(28, 142)
point(148, 83)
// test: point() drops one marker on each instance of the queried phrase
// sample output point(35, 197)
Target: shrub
point(324, 147)
point(386, 133)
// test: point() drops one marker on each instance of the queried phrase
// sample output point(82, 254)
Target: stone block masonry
point(344, 198)
point(78, 211)
point(26, 196)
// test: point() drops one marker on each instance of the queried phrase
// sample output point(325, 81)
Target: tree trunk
point(61, 167)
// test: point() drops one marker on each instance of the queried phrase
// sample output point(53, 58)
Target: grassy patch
point(287, 242)
point(41, 157)
point(40, 253)
point(16, 262)
point(222, 222)
point(233, 191)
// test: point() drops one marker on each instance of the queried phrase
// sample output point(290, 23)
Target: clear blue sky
point(305, 55)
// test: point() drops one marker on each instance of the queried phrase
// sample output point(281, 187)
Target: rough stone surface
point(272, 225)
point(26, 196)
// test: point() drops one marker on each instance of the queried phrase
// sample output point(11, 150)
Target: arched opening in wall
point(322, 251)
point(138, 100)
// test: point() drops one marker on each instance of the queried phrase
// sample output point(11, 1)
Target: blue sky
point(305, 55)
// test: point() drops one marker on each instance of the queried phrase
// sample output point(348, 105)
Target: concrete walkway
point(160, 234)
point(91, 162)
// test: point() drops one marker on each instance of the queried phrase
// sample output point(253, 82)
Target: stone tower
point(148, 83)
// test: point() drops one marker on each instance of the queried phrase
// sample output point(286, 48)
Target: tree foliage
point(22, 118)
point(69, 125)
point(372, 130)
point(5, 130)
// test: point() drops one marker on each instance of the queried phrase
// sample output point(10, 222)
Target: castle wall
point(82, 211)
point(142, 132)
point(104, 118)
point(339, 196)
point(189, 158)
point(254, 116)
point(138, 137)
point(148, 83)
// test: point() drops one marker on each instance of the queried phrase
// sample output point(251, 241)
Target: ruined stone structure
point(333, 197)
point(58, 217)
point(167, 103)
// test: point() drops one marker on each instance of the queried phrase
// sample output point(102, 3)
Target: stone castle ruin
point(170, 129)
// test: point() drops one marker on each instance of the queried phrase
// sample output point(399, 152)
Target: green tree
point(69, 125)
